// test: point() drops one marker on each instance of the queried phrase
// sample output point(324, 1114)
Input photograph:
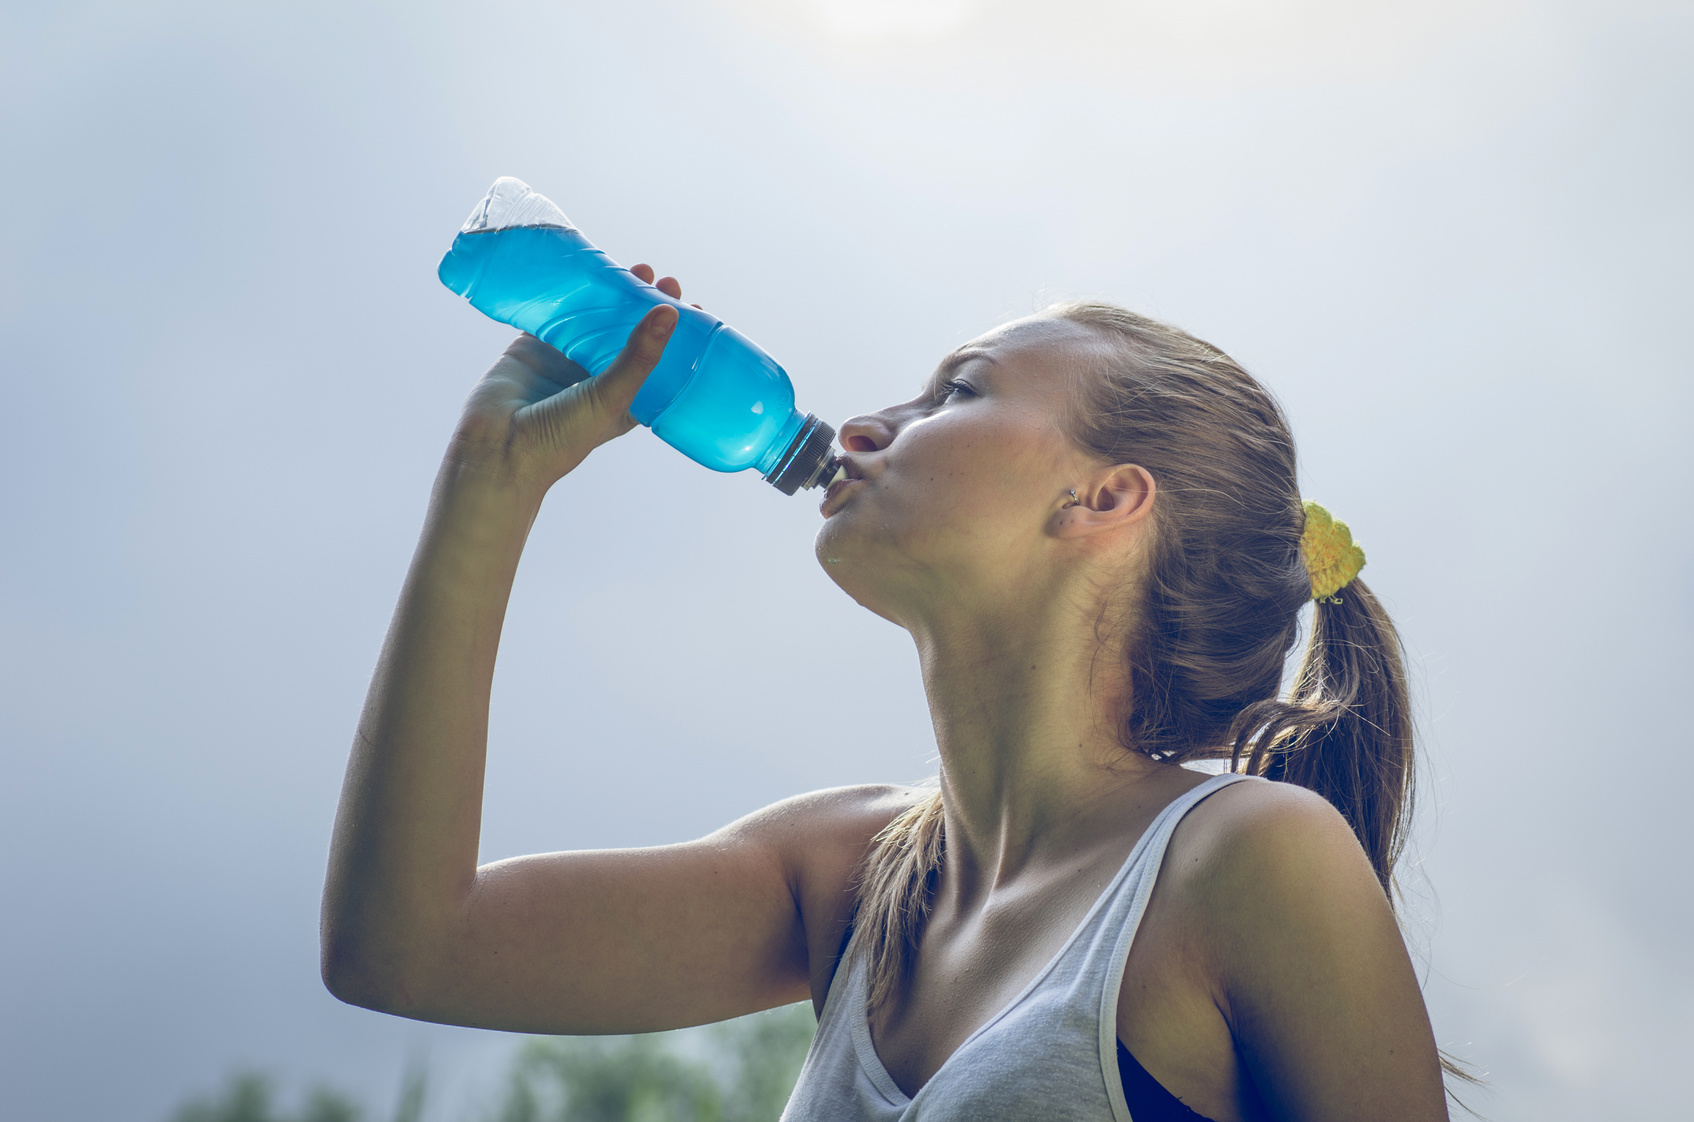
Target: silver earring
point(1074, 500)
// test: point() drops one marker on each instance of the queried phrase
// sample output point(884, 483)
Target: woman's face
point(952, 495)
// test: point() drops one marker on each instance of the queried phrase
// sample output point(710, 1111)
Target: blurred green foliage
point(248, 1099)
point(737, 1071)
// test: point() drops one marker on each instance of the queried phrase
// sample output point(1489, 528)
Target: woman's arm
point(582, 942)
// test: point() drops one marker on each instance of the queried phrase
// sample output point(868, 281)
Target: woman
point(1089, 524)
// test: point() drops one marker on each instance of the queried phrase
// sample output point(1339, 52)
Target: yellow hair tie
point(1332, 560)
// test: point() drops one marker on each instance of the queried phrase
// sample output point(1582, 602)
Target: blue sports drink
point(714, 396)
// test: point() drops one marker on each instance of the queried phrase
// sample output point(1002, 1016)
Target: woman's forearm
point(402, 865)
point(403, 858)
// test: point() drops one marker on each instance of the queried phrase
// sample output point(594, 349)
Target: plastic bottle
point(714, 396)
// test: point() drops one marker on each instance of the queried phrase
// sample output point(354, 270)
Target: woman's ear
point(1112, 501)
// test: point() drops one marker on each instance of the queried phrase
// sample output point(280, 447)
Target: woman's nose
point(868, 432)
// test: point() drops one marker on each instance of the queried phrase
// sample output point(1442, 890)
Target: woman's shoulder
point(1254, 852)
point(820, 840)
point(821, 837)
point(1297, 948)
point(1257, 809)
point(850, 815)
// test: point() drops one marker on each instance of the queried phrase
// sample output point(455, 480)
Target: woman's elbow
point(361, 977)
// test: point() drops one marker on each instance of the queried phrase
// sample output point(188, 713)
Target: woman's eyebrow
point(952, 362)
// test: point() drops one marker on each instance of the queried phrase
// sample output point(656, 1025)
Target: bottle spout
point(809, 461)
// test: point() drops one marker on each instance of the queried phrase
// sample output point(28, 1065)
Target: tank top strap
point(1125, 899)
point(1114, 924)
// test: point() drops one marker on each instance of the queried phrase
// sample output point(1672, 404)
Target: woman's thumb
point(623, 379)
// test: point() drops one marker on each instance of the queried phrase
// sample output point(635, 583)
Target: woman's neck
point(1025, 701)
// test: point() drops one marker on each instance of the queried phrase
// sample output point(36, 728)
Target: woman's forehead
point(1042, 348)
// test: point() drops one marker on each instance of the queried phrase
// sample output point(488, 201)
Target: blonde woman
point(1090, 526)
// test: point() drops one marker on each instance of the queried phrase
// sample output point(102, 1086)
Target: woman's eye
point(952, 389)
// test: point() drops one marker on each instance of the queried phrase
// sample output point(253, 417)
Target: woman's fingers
point(545, 361)
point(668, 285)
point(565, 427)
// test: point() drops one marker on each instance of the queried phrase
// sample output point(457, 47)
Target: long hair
point(1218, 615)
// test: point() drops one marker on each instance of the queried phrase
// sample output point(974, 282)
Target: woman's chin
point(830, 545)
point(840, 554)
point(852, 576)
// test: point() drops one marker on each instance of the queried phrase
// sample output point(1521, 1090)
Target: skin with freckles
point(1269, 979)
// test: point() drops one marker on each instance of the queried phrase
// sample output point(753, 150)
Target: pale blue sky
point(1453, 237)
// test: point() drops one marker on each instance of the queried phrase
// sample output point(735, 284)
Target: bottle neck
point(807, 458)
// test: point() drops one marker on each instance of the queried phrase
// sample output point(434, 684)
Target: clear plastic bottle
point(714, 396)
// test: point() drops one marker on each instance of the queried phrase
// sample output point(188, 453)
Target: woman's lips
point(832, 497)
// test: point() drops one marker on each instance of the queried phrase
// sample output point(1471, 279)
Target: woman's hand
point(536, 414)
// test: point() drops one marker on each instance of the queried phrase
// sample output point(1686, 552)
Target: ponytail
point(1345, 730)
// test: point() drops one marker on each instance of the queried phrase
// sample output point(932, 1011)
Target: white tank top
point(1049, 1056)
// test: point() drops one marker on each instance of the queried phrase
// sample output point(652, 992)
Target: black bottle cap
point(807, 460)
